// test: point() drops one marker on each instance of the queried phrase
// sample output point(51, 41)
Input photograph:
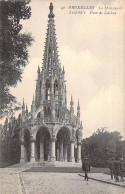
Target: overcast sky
point(91, 48)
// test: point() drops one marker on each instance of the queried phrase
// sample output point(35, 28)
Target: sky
point(91, 49)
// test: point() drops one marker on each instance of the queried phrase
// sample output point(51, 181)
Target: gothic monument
point(50, 132)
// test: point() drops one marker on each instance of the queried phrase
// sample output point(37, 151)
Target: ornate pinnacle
point(23, 106)
point(51, 15)
point(33, 99)
point(78, 107)
point(38, 69)
point(26, 109)
point(71, 102)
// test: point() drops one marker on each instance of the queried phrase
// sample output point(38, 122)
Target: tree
point(13, 47)
point(10, 142)
point(101, 147)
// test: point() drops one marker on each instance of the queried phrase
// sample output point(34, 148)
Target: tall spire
point(50, 58)
point(51, 15)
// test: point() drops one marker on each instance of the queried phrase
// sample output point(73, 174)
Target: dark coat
point(111, 165)
point(117, 166)
point(86, 166)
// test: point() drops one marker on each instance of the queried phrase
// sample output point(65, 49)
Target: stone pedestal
point(32, 158)
point(72, 158)
point(22, 157)
point(79, 152)
point(52, 158)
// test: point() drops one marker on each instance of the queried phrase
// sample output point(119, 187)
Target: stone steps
point(55, 169)
point(46, 163)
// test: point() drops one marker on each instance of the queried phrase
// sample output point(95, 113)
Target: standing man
point(122, 169)
point(86, 168)
point(117, 168)
point(112, 168)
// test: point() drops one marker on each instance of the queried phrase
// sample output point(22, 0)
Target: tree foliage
point(13, 47)
point(101, 147)
point(10, 143)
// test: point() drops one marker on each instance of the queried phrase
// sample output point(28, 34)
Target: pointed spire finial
point(38, 69)
point(71, 102)
point(26, 108)
point(78, 105)
point(51, 15)
point(23, 106)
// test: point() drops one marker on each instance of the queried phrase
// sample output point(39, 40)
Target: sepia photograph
point(62, 96)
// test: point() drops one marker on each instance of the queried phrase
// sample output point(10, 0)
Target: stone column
point(65, 152)
point(36, 154)
point(41, 150)
point(52, 158)
point(57, 151)
point(25, 154)
point(22, 157)
point(49, 154)
point(32, 158)
point(61, 150)
point(79, 152)
point(72, 158)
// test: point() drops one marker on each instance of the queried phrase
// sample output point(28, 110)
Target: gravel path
point(65, 183)
point(10, 182)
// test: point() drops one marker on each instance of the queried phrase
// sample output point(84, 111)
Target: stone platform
point(47, 164)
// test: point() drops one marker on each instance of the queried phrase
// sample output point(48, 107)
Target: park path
point(65, 183)
point(14, 181)
point(9, 181)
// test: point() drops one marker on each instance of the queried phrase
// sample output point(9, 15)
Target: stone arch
point(63, 144)
point(42, 146)
point(56, 130)
point(41, 126)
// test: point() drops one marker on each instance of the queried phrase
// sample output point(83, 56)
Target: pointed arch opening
point(47, 89)
point(63, 145)
point(56, 89)
point(42, 147)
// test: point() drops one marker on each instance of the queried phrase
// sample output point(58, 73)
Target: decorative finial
point(38, 69)
point(23, 104)
point(26, 108)
point(51, 15)
point(71, 103)
point(78, 104)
